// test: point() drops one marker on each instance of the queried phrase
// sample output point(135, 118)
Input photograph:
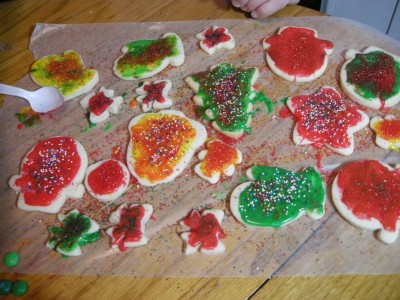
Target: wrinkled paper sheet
point(305, 247)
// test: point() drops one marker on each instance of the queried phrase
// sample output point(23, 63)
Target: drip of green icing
point(108, 127)
point(277, 196)
point(144, 56)
point(227, 92)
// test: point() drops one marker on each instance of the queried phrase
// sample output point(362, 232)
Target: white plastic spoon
point(42, 100)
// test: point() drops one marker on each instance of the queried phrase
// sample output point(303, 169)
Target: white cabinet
point(384, 15)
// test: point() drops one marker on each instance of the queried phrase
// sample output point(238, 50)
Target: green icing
point(227, 92)
point(277, 196)
point(73, 235)
point(375, 75)
point(143, 56)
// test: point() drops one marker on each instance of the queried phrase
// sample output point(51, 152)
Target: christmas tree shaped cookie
point(275, 197)
point(66, 72)
point(226, 96)
point(146, 58)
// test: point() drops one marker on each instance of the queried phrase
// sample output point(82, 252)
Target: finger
point(268, 8)
point(239, 3)
point(253, 4)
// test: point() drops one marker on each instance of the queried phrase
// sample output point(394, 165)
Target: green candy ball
point(5, 287)
point(11, 259)
point(19, 288)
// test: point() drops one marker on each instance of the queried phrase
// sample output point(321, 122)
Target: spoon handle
point(13, 91)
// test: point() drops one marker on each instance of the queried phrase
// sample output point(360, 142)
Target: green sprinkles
point(19, 288)
point(5, 287)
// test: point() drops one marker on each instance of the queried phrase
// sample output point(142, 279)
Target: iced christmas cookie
point(107, 180)
point(65, 72)
point(77, 231)
point(275, 197)
point(129, 226)
point(226, 96)
point(297, 54)
point(203, 231)
point(51, 172)
point(214, 38)
point(218, 160)
point(367, 194)
point(100, 105)
point(371, 77)
point(154, 95)
point(146, 58)
point(161, 145)
point(387, 132)
point(323, 118)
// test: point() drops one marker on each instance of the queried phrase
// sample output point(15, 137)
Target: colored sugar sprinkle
point(27, 117)
point(5, 287)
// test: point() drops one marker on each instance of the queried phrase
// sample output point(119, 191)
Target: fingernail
point(254, 14)
point(235, 3)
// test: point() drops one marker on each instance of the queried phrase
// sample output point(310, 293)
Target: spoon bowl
point(42, 100)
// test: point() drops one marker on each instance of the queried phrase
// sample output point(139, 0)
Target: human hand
point(260, 9)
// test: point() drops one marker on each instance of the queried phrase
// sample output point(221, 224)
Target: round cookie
point(371, 77)
point(107, 180)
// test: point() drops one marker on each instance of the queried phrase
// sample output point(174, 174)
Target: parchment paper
point(305, 247)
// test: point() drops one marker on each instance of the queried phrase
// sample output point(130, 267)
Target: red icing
point(47, 169)
point(99, 103)
point(285, 113)
point(204, 230)
point(154, 92)
point(129, 228)
point(324, 118)
point(388, 129)
point(370, 190)
point(106, 178)
point(219, 156)
point(297, 52)
point(215, 37)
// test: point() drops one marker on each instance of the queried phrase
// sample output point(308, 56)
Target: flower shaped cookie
point(276, 197)
point(323, 118)
point(129, 226)
point(100, 105)
point(154, 95)
point(387, 132)
point(146, 58)
point(77, 231)
point(218, 160)
point(371, 77)
point(214, 38)
point(66, 72)
point(51, 172)
point(204, 231)
point(296, 54)
point(367, 194)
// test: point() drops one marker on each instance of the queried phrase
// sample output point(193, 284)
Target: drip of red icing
point(99, 103)
point(370, 190)
point(106, 178)
point(47, 169)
